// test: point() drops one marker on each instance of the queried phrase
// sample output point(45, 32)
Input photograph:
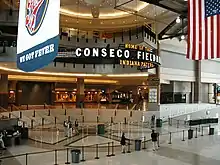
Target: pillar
point(80, 95)
point(4, 91)
point(154, 89)
point(158, 76)
point(135, 95)
point(53, 94)
point(18, 94)
point(197, 84)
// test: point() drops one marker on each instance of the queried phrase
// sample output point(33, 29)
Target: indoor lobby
point(109, 82)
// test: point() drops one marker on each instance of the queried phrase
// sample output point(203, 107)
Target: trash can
point(75, 153)
point(190, 134)
point(159, 123)
point(137, 145)
point(101, 129)
point(211, 131)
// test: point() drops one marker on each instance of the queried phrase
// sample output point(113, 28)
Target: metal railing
point(101, 150)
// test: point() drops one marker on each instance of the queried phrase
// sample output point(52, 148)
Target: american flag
point(203, 29)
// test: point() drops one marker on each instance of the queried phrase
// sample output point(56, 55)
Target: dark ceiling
point(174, 29)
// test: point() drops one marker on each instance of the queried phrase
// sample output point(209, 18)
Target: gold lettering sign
point(139, 47)
point(137, 63)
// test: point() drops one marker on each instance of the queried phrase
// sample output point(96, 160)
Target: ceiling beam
point(173, 36)
point(182, 27)
point(157, 3)
point(166, 29)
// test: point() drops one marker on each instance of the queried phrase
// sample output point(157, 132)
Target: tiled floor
point(93, 140)
point(203, 150)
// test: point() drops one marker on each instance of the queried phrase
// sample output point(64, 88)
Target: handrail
point(5, 110)
point(26, 116)
point(116, 106)
point(133, 107)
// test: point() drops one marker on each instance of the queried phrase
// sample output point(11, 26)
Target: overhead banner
point(38, 33)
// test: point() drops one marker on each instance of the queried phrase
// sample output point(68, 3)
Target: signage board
point(125, 54)
point(37, 43)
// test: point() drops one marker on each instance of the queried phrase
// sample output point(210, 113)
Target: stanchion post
point(55, 120)
point(83, 154)
point(34, 113)
point(65, 112)
point(183, 136)
point(108, 150)
point(111, 119)
point(129, 147)
point(32, 123)
point(27, 106)
point(113, 149)
point(9, 115)
point(26, 159)
point(97, 152)
point(130, 113)
point(20, 114)
point(178, 123)
point(170, 141)
point(62, 105)
point(196, 133)
point(83, 119)
point(55, 157)
point(42, 121)
point(44, 106)
point(115, 113)
point(144, 143)
point(97, 119)
point(48, 112)
point(67, 156)
point(158, 140)
point(125, 120)
point(202, 131)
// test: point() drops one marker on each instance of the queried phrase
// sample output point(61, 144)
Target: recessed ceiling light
point(66, 20)
point(101, 22)
point(123, 21)
point(112, 22)
point(178, 20)
point(135, 20)
point(145, 18)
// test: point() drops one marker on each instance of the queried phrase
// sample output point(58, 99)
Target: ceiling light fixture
point(107, 15)
point(178, 20)
point(182, 37)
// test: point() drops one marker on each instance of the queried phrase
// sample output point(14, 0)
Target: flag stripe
point(214, 36)
point(211, 33)
point(200, 30)
point(206, 39)
point(218, 36)
point(194, 33)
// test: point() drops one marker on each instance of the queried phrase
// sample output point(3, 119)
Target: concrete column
point(18, 94)
point(197, 85)
point(4, 91)
point(154, 89)
point(158, 76)
point(135, 95)
point(80, 95)
point(53, 94)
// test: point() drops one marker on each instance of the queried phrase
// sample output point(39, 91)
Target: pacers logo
point(35, 13)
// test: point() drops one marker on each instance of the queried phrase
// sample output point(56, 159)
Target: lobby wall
point(35, 93)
